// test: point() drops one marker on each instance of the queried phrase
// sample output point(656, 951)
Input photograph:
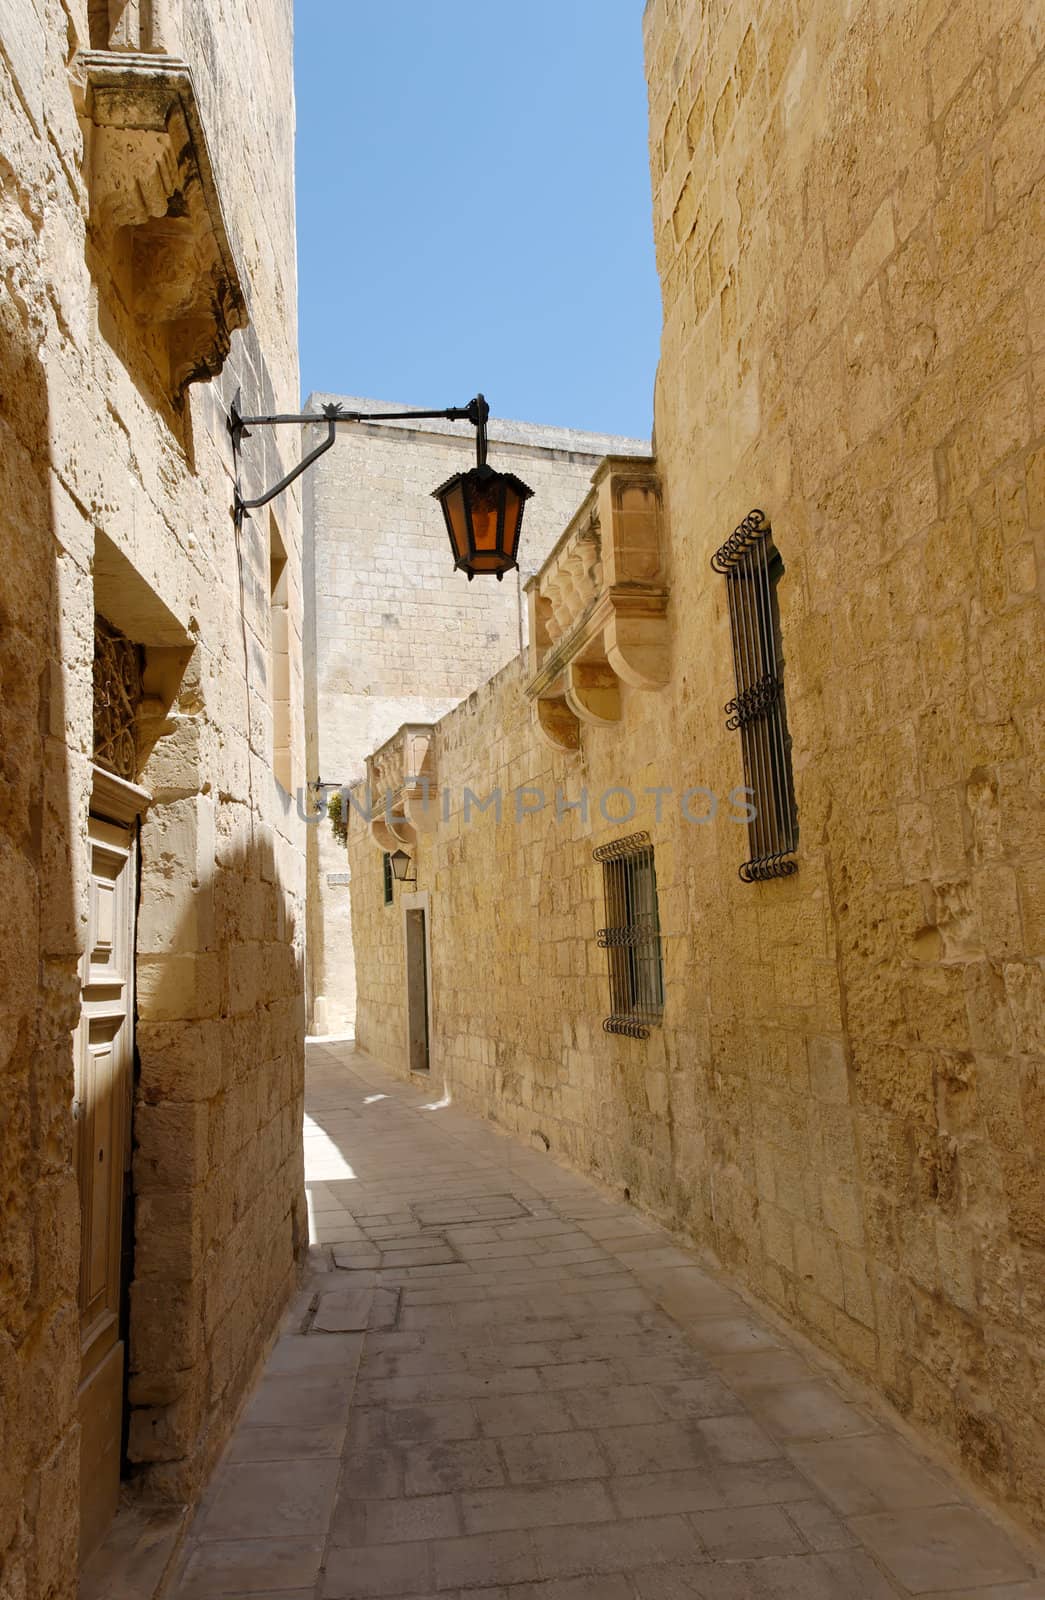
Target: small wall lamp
point(401, 862)
point(483, 509)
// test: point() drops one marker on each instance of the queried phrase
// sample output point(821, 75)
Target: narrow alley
point(500, 1383)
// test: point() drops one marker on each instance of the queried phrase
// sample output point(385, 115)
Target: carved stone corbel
point(557, 724)
point(392, 832)
point(156, 216)
point(598, 607)
point(593, 692)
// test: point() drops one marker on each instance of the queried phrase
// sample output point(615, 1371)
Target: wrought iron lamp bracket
point(477, 412)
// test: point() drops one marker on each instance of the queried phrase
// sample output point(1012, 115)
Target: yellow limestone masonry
point(147, 271)
point(846, 1099)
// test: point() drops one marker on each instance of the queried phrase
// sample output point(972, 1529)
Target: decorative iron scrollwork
point(627, 1026)
point(753, 702)
point(631, 845)
point(118, 696)
point(744, 535)
point(761, 868)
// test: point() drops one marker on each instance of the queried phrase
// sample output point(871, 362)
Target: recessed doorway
point(418, 982)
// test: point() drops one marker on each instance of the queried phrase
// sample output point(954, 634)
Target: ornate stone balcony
point(156, 217)
point(401, 788)
point(598, 606)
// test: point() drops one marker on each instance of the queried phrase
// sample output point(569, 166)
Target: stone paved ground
point(502, 1385)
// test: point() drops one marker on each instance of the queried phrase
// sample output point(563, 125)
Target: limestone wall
point(395, 634)
point(115, 497)
point(845, 1098)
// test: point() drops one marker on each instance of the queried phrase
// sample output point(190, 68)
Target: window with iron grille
point(631, 938)
point(752, 568)
point(389, 880)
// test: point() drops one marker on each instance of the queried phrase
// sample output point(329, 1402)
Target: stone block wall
point(845, 1100)
point(115, 497)
point(395, 634)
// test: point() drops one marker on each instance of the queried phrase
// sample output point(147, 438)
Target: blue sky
point(474, 207)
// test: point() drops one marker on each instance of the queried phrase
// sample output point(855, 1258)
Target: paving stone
point(252, 1566)
point(940, 1547)
point(274, 1594)
point(753, 1369)
point(1007, 1591)
point(412, 1363)
point(697, 1397)
point(513, 1309)
point(441, 1420)
point(377, 1571)
point(875, 1472)
point(747, 1532)
point(425, 1387)
point(298, 1353)
point(731, 1335)
point(499, 1205)
point(485, 1559)
point(551, 1457)
point(679, 1581)
point(649, 1494)
point(736, 1439)
point(819, 1526)
point(523, 1413)
point(606, 1586)
point(629, 1405)
point(342, 1310)
point(810, 1577)
point(419, 1517)
point(269, 1499)
point(652, 1447)
point(615, 1547)
point(807, 1410)
point(355, 1257)
point(493, 1510)
point(760, 1483)
point(285, 1444)
point(532, 1353)
point(440, 1316)
point(307, 1400)
point(372, 1474)
point(577, 1375)
point(455, 1464)
point(496, 1250)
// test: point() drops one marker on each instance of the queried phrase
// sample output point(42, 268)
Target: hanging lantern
point(400, 863)
point(483, 511)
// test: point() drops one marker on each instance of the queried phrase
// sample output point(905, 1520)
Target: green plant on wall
point(338, 819)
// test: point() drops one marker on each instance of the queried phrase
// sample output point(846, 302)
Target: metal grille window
point(632, 936)
point(752, 568)
point(386, 867)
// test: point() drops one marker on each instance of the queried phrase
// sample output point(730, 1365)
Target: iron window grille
point(752, 568)
point(632, 936)
point(389, 880)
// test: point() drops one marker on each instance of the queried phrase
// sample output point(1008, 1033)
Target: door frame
point(420, 901)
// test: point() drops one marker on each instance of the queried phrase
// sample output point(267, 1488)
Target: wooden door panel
point(102, 1147)
point(104, 1055)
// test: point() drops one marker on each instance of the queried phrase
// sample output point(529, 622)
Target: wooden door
point(417, 989)
point(104, 1056)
